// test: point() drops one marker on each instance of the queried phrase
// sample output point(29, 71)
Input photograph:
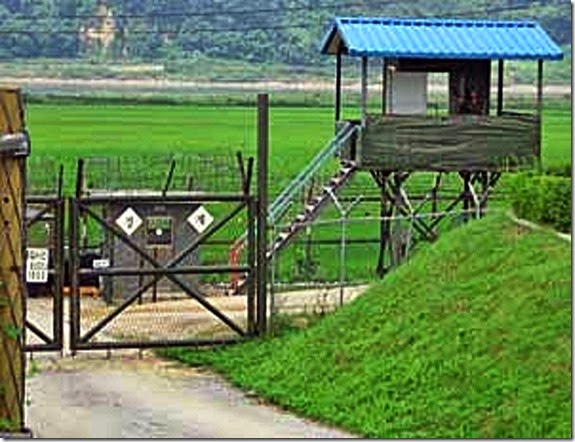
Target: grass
point(69, 131)
point(556, 137)
point(141, 133)
point(469, 339)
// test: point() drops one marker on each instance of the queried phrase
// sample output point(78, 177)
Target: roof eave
point(382, 54)
point(327, 38)
point(334, 30)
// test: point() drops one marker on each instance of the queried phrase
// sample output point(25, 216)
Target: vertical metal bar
point(338, 86)
point(342, 258)
point(251, 258)
point(155, 286)
point(72, 273)
point(58, 235)
point(60, 188)
point(263, 153)
point(58, 240)
point(169, 177)
point(363, 91)
point(384, 87)
point(500, 74)
point(141, 265)
point(272, 281)
point(74, 266)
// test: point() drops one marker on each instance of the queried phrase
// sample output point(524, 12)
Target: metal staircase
point(280, 205)
point(312, 210)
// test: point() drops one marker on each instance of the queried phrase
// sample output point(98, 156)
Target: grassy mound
point(471, 338)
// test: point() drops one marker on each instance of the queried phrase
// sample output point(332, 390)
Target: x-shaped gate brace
point(81, 205)
point(53, 204)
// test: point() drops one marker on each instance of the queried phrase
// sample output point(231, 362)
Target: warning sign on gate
point(159, 231)
point(129, 221)
point(37, 264)
point(200, 219)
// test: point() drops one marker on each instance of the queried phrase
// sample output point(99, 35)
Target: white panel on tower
point(407, 93)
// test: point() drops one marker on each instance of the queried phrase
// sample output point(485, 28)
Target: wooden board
point(11, 295)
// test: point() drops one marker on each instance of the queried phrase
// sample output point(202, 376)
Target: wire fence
point(183, 172)
point(336, 258)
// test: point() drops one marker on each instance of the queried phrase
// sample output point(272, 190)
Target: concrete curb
point(534, 226)
point(24, 434)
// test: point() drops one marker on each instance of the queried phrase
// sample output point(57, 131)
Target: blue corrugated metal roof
point(439, 38)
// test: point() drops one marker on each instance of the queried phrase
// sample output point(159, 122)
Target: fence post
point(342, 258)
point(263, 154)
point(13, 153)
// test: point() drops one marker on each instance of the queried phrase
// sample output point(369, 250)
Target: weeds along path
point(128, 397)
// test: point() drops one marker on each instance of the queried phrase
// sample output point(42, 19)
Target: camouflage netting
point(463, 142)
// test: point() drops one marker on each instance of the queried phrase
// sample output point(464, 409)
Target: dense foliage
point(285, 31)
point(469, 339)
point(544, 198)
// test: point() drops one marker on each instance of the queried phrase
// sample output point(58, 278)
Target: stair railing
point(282, 202)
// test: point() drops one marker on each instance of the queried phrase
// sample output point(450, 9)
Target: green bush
point(563, 170)
point(543, 198)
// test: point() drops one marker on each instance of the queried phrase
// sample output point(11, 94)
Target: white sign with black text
point(37, 264)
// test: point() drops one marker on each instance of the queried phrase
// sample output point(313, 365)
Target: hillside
point(471, 338)
point(277, 31)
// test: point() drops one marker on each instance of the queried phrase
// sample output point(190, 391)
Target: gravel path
point(90, 397)
point(126, 396)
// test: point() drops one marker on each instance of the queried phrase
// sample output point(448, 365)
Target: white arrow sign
point(129, 221)
point(200, 219)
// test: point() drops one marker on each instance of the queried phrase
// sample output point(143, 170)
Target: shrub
point(563, 170)
point(543, 198)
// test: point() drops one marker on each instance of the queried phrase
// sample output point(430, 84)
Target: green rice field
point(61, 133)
point(70, 131)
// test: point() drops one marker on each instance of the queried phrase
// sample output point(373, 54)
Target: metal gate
point(149, 286)
point(45, 272)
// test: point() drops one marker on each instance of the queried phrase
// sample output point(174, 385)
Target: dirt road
point(127, 397)
point(124, 397)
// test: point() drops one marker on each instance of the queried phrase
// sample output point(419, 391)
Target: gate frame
point(55, 204)
point(80, 204)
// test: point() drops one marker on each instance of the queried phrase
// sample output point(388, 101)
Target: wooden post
point(466, 176)
point(434, 196)
point(381, 177)
point(500, 75)
point(363, 90)
point(539, 108)
point(263, 154)
point(338, 86)
point(12, 287)
point(539, 102)
point(384, 86)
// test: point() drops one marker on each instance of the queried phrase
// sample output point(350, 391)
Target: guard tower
point(471, 138)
